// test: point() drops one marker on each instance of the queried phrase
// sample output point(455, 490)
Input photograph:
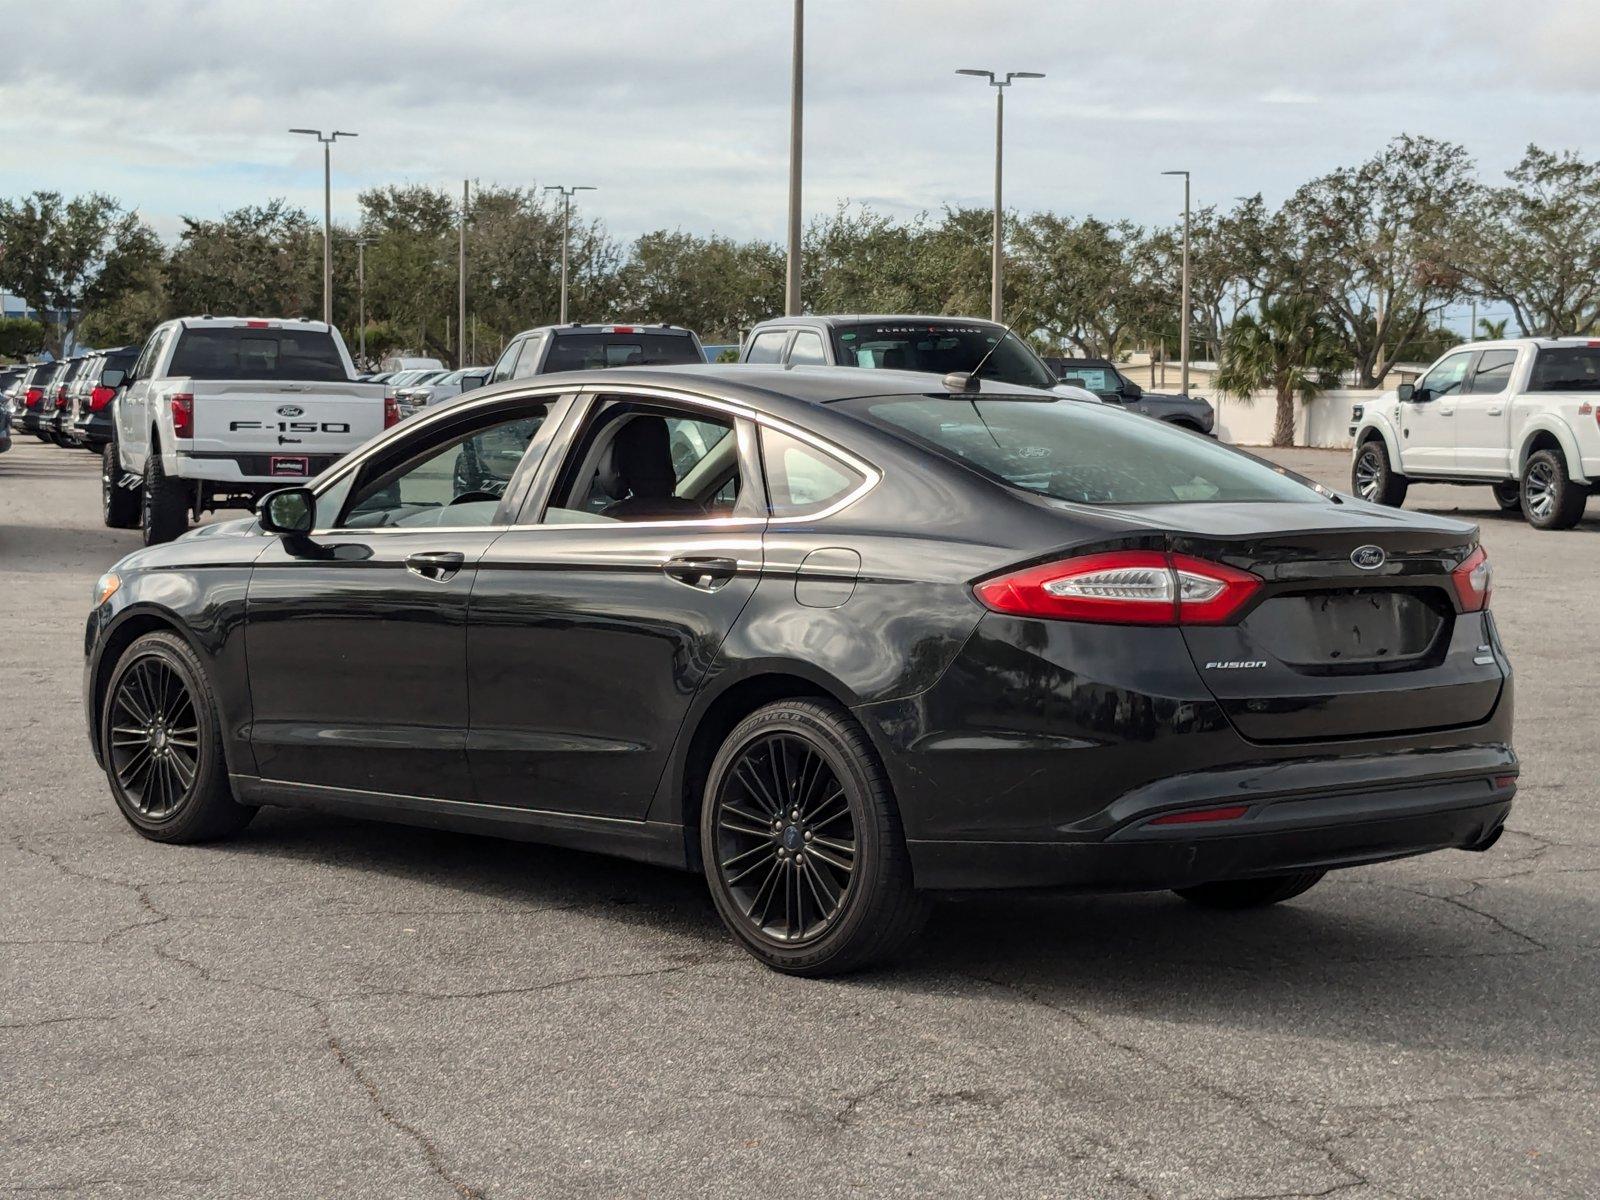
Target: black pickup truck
point(1102, 378)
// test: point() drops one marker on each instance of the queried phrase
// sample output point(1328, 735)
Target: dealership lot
point(329, 1007)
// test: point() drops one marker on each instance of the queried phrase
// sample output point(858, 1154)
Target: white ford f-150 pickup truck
point(219, 411)
point(1520, 415)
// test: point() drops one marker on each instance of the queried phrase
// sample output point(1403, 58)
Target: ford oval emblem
point(291, 410)
point(1368, 558)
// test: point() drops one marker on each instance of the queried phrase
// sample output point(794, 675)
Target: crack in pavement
point(1461, 903)
point(42, 1021)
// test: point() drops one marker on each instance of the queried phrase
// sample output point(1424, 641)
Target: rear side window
point(767, 347)
point(1567, 369)
point(1079, 452)
point(1493, 372)
point(241, 353)
point(587, 351)
point(802, 479)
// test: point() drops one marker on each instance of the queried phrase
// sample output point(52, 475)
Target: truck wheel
point(1372, 478)
point(1508, 495)
point(165, 512)
point(119, 506)
point(1550, 500)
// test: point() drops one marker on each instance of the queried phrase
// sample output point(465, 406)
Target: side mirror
point(1131, 390)
point(113, 377)
point(290, 511)
point(1406, 391)
point(470, 382)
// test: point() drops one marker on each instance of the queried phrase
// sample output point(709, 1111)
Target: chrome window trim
point(871, 476)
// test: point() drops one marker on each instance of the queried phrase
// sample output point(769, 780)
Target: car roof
point(828, 320)
point(611, 327)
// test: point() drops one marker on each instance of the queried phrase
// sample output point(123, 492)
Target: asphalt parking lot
point(327, 1007)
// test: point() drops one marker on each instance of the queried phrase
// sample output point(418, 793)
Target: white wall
point(1325, 422)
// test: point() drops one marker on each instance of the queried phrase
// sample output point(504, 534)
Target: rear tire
point(802, 843)
point(1373, 478)
point(164, 513)
point(161, 740)
point(1250, 893)
point(1508, 495)
point(119, 506)
point(1550, 500)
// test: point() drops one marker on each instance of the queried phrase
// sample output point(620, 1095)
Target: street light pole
point(566, 219)
point(997, 250)
point(361, 296)
point(1183, 326)
point(461, 288)
point(791, 288)
point(327, 213)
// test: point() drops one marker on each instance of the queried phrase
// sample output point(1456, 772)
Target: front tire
point(119, 506)
point(164, 513)
point(1373, 477)
point(802, 844)
point(161, 740)
point(1550, 500)
point(1251, 893)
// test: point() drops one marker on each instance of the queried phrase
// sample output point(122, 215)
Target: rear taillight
point(1124, 587)
point(34, 396)
point(101, 396)
point(1474, 580)
point(391, 411)
point(183, 415)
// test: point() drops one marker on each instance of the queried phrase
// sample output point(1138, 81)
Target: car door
point(596, 619)
point(1427, 420)
point(133, 411)
point(1483, 416)
point(356, 635)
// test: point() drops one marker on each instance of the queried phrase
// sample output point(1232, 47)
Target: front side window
point(1446, 378)
point(456, 483)
point(1084, 453)
point(938, 349)
point(528, 358)
point(1492, 375)
point(807, 350)
point(767, 347)
point(1567, 369)
point(801, 479)
point(649, 462)
point(506, 364)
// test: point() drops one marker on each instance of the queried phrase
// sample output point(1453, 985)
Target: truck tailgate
point(248, 418)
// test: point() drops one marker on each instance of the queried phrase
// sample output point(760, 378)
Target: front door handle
point(1496, 411)
point(438, 565)
point(1447, 410)
point(707, 574)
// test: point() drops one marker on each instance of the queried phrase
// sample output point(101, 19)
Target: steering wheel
point(469, 497)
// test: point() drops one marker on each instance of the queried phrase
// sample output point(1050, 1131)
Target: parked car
point(31, 395)
point(1518, 415)
point(219, 410)
point(5, 425)
point(445, 386)
point(882, 637)
point(722, 352)
point(93, 399)
point(937, 345)
point(413, 362)
point(57, 402)
point(555, 348)
point(1100, 376)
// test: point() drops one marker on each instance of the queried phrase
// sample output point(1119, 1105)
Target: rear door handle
point(707, 574)
point(438, 565)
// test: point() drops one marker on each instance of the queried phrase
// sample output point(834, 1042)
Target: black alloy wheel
point(119, 506)
point(1372, 478)
point(1551, 500)
point(802, 843)
point(162, 747)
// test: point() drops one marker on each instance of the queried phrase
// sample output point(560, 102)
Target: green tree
point(715, 286)
point(259, 261)
point(1492, 331)
point(20, 337)
point(68, 257)
point(1534, 243)
point(1087, 283)
point(1288, 345)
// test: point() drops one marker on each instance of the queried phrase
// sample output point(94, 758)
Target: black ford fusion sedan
point(839, 639)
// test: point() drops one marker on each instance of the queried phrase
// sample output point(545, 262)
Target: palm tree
point(1492, 331)
point(1288, 346)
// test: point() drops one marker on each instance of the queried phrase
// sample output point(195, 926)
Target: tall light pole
point(361, 295)
point(461, 283)
point(791, 286)
point(566, 218)
point(997, 266)
point(1183, 326)
point(327, 141)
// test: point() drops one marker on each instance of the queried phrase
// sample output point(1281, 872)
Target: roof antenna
point(967, 381)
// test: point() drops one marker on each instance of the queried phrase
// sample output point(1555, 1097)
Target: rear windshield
point(1569, 369)
point(232, 353)
point(584, 351)
point(939, 349)
point(1067, 450)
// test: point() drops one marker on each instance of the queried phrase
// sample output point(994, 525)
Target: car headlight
point(106, 587)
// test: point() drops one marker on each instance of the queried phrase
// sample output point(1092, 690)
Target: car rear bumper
point(263, 471)
point(1276, 837)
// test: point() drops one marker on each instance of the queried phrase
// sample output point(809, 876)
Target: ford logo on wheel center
point(1368, 558)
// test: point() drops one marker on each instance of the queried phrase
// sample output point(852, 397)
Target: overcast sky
point(678, 109)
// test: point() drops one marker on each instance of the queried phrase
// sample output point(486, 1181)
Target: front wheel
point(1251, 893)
point(1550, 499)
point(1373, 478)
point(161, 740)
point(802, 843)
point(119, 506)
